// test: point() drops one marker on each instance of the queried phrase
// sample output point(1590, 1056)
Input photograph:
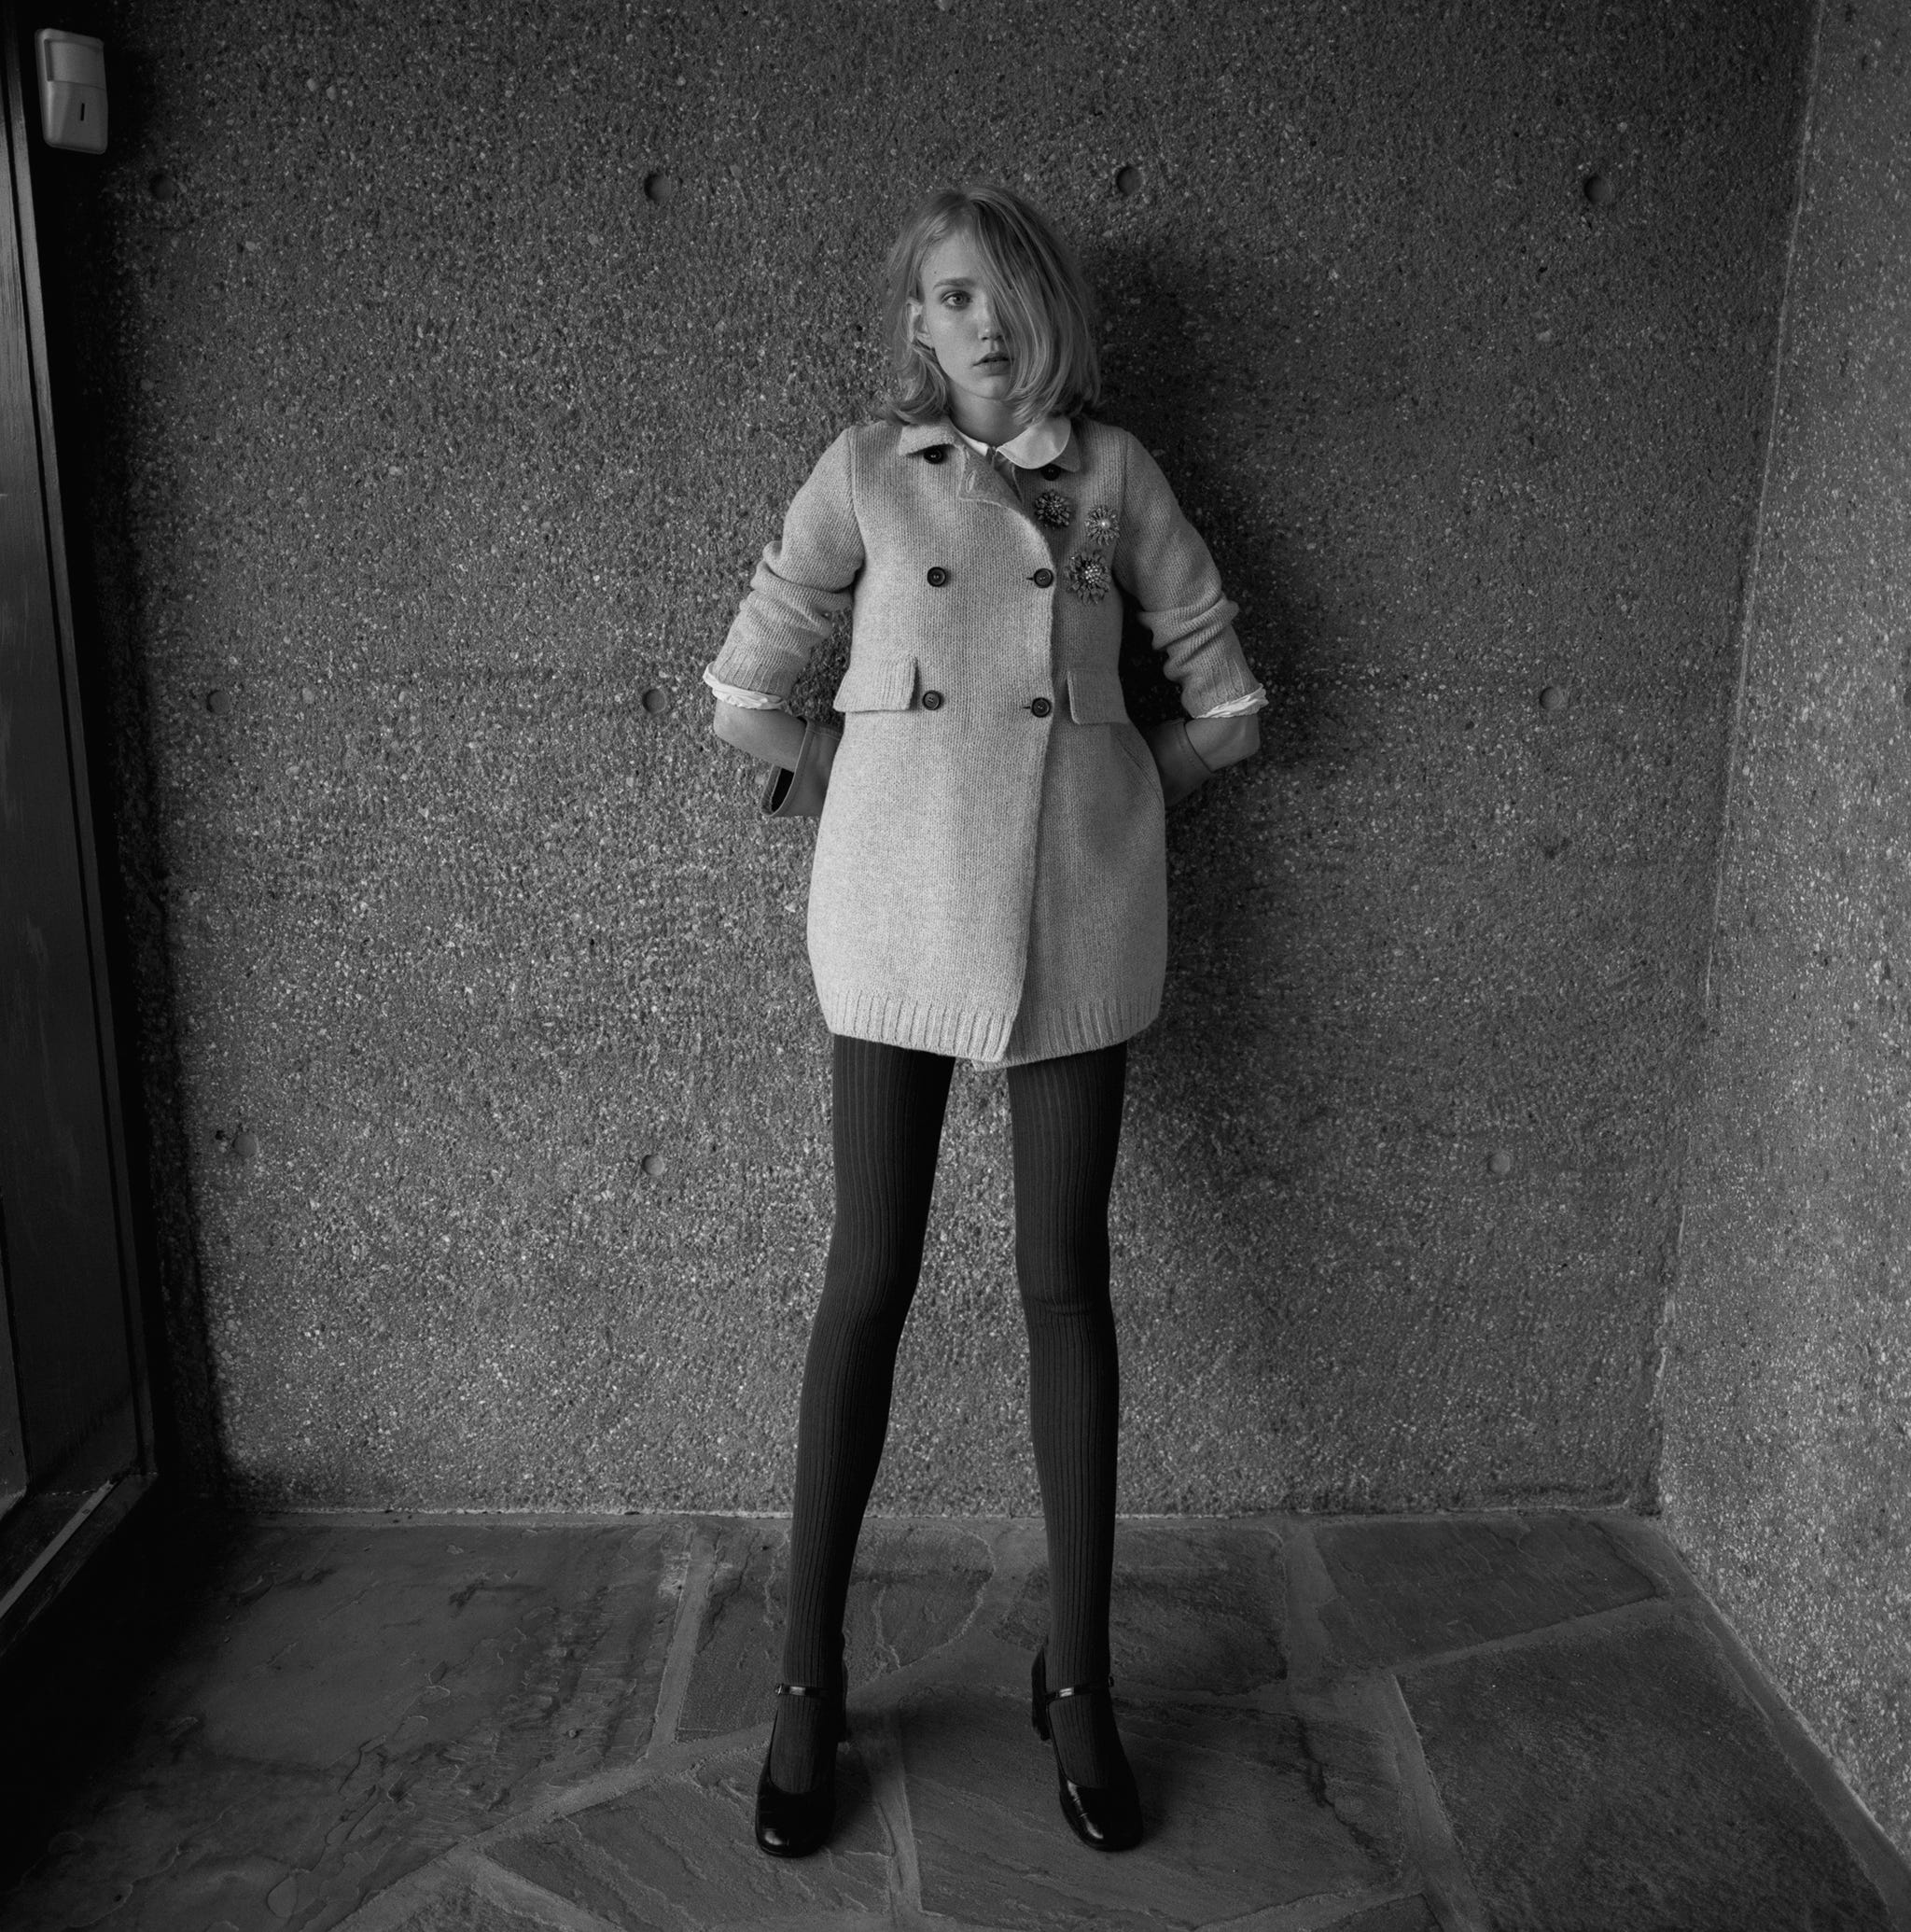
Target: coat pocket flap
point(1095, 697)
point(877, 684)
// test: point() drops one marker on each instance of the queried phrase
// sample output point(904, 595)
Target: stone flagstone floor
point(414, 1724)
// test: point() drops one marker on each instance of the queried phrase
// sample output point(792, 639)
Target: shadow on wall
point(1165, 380)
point(1170, 374)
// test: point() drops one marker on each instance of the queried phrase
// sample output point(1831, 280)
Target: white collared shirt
point(1038, 445)
point(1041, 442)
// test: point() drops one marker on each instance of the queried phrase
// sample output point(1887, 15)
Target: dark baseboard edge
point(73, 1548)
point(1878, 1853)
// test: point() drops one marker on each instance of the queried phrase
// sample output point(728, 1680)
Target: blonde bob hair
point(1036, 290)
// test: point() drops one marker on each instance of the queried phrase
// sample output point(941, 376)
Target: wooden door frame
point(43, 1547)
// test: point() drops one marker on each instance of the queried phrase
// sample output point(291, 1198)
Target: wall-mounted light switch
point(73, 90)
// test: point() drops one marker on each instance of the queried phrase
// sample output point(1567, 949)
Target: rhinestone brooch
point(1086, 574)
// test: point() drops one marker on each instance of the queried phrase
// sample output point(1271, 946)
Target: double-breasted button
point(1041, 708)
point(932, 701)
point(938, 576)
point(1043, 578)
point(935, 453)
point(1051, 470)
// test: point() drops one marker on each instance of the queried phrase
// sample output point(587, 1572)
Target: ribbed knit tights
point(887, 1107)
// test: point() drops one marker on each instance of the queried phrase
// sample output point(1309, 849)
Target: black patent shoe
point(1105, 1818)
point(794, 1824)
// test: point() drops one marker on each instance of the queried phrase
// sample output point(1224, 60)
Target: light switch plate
point(73, 90)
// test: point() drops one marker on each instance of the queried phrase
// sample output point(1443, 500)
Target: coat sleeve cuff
point(799, 793)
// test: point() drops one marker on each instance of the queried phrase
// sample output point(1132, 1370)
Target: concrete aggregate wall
point(453, 361)
point(1787, 1394)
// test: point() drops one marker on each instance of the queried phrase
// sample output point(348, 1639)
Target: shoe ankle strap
point(803, 1690)
point(1080, 1689)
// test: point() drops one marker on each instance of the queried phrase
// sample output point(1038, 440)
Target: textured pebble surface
point(1788, 1392)
point(449, 369)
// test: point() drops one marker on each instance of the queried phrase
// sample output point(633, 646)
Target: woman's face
point(953, 315)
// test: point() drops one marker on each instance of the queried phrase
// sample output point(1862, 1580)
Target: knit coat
point(990, 877)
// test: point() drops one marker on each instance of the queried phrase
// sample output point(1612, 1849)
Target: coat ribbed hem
point(899, 1021)
point(986, 1037)
point(1079, 1028)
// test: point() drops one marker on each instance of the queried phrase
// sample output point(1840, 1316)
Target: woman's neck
point(993, 423)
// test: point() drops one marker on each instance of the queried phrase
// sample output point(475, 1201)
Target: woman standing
point(989, 883)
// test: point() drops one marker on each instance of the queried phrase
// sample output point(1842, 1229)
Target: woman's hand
point(1220, 742)
point(773, 737)
point(1188, 752)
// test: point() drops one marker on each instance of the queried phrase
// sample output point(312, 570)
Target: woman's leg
point(886, 1126)
point(1068, 1127)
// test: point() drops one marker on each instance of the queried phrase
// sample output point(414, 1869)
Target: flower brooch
point(1086, 573)
point(1054, 511)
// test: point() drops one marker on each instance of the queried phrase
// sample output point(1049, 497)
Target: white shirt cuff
point(744, 700)
point(1255, 700)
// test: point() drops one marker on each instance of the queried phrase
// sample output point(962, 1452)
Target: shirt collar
point(1051, 440)
point(1040, 443)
